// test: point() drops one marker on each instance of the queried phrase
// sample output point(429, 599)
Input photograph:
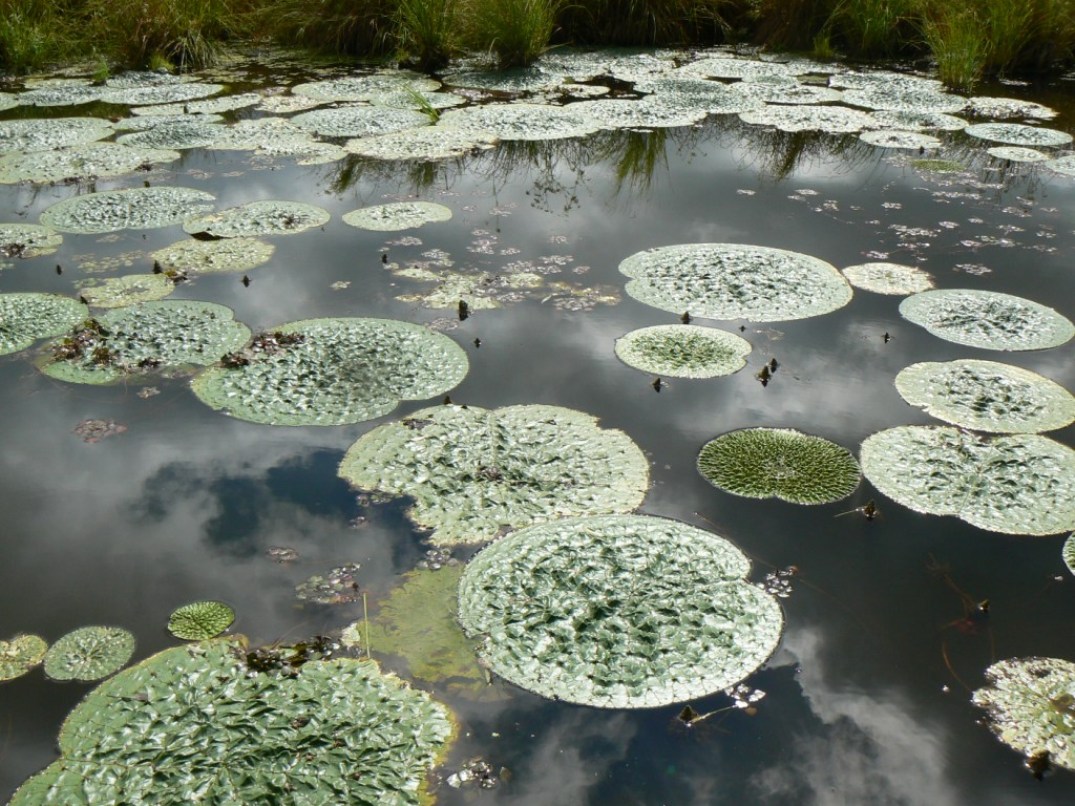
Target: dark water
point(868, 696)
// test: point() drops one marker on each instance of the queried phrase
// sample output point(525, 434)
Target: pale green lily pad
point(130, 79)
point(27, 317)
point(194, 723)
point(200, 620)
point(66, 94)
point(362, 88)
point(141, 124)
point(212, 106)
point(135, 208)
point(251, 135)
point(1062, 165)
point(987, 319)
point(8, 101)
point(118, 292)
point(515, 80)
point(735, 281)
point(165, 335)
point(880, 80)
point(1030, 704)
point(1018, 134)
point(426, 143)
point(210, 257)
point(1001, 108)
point(697, 95)
point(182, 134)
point(917, 121)
point(987, 396)
point(1017, 154)
point(728, 67)
point(359, 121)
point(650, 112)
point(789, 92)
point(89, 653)
point(898, 139)
point(683, 351)
point(779, 463)
point(45, 135)
point(27, 240)
point(1022, 484)
point(259, 218)
point(473, 473)
point(90, 161)
point(791, 118)
point(1068, 552)
point(287, 104)
point(888, 278)
point(520, 121)
point(334, 372)
point(304, 152)
point(159, 94)
point(21, 654)
point(906, 98)
point(415, 100)
point(397, 216)
point(618, 611)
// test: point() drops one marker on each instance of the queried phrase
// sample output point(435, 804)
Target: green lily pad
point(397, 216)
point(909, 121)
point(987, 319)
point(1018, 134)
point(1068, 552)
point(691, 95)
point(427, 143)
point(729, 67)
point(195, 724)
point(1030, 706)
point(1017, 154)
point(800, 118)
point(21, 654)
point(520, 121)
point(63, 93)
point(188, 132)
point(618, 611)
point(1001, 108)
point(906, 98)
point(212, 106)
point(683, 351)
point(27, 240)
point(779, 463)
point(888, 278)
point(473, 473)
point(650, 112)
point(211, 257)
point(1065, 166)
point(89, 653)
point(117, 292)
point(50, 133)
point(987, 396)
point(259, 218)
point(334, 371)
point(735, 281)
point(200, 620)
point(1020, 484)
point(169, 93)
point(359, 121)
point(94, 160)
point(362, 88)
point(135, 208)
point(27, 317)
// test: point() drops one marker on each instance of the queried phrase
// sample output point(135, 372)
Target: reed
point(656, 22)
point(366, 29)
point(429, 32)
point(516, 31)
point(954, 37)
point(31, 34)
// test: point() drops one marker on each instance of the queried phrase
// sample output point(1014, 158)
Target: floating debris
point(95, 430)
point(338, 586)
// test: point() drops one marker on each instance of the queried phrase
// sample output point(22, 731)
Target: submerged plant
point(27, 317)
point(473, 473)
point(89, 653)
point(683, 351)
point(200, 620)
point(21, 654)
point(618, 611)
point(779, 463)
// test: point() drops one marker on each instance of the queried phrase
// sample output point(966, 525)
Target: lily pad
point(520, 121)
point(397, 216)
point(917, 121)
point(259, 218)
point(210, 257)
point(618, 611)
point(21, 654)
point(89, 653)
point(1001, 108)
point(684, 96)
point(93, 160)
point(799, 118)
point(728, 67)
point(135, 208)
point(212, 106)
point(1020, 484)
point(735, 281)
point(359, 121)
point(27, 240)
point(900, 139)
point(1062, 165)
point(779, 463)
point(159, 94)
point(27, 317)
point(1068, 552)
point(194, 723)
point(361, 88)
point(62, 94)
point(473, 473)
point(333, 371)
point(427, 143)
point(905, 98)
point(117, 292)
point(8, 101)
point(888, 278)
point(1030, 704)
point(652, 112)
point(182, 134)
point(200, 620)
point(1018, 134)
point(1017, 154)
point(987, 319)
point(44, 135)
point(987, 396)
point(683, 351)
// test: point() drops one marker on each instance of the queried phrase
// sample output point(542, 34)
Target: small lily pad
point(888, 278)
point(211, 257)
point(683, 351)
point(779, 463)
point(259, 218)
point(200, 620)
point(135, 208)
point(117, 292)
point(27, 317)
point(397, 216)
point(27, 240)
point(21, 654)
point(1018, 134)
point(89, 653)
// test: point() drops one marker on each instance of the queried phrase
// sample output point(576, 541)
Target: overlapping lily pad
point(200, 620)
point(117, 292)
point(259, 218)
point(93, 160)
point(1030, 704)
point(194, 723)
point(27, 317)
point(397, 216)
point(473, 473)
point(46, 134)
point(618, 611)
point(683, 351)
point(21, 654)
point(332, 372)
point(359, 121)
point(735, 281)
point(987, 396)
point(888, 278)
point(135, 208)
point(779, 463)
point(27, 240)
point(207, 257)
point(987, 319)
point(1018, 134)
point(520, 121)
point(1020, 484)
point(89, 653)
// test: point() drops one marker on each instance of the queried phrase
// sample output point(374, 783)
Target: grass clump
point(515, 31)
point(429, 32)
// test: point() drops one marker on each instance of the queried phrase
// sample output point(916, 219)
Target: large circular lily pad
point(89, 653)
point(21, 654)
point(27, 317)
point(618, 611)
point(359, 121)
point(987, 396)
point(1021, 484)
point(779, 463)
point(332, 372)
point(683, 351)
point(428, 143)
point(987, 319)
point(397, 216)
point(135, 208)
point(735, 281)
point(259, 218)
point(473, 472)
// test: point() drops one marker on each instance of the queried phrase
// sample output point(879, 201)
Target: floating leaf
point(1021, 484)
point(135, 208)
point(427, 143)
point(916, 121)
point(987, 396)
point(1068, 552)
point(27, 317)
point(338, 586)
point(89, 653)
point(259, 218)
point(683, 351)
point(361, 88)
point(473, 472)
point(397, 216)
point(1018, 134)
point(159, 93)
point(45, 135)
point(779, 463)
point(831, 119)
point(735, 281)
point(618, 611)
point(359, 121)
point(210, 257)
point(1017, 154)
point(647, 113)
point(683, 96)
point(117, 292)
point(21, 654)
point(94, 160)
point(905, 98)
point(999, 108)
point(899, 139)
point(27, 240)
point(199, 620)
point(1062, 165)
point(888, 278)
point(520, 121)
point(184, 133)
point(987, 319)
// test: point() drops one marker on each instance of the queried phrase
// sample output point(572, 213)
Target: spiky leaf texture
point(134, 208)
point(199, 620)
point(683, 351)
point(89, 653)
point(20, 655)
point(27, 317)
point(259, 218)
